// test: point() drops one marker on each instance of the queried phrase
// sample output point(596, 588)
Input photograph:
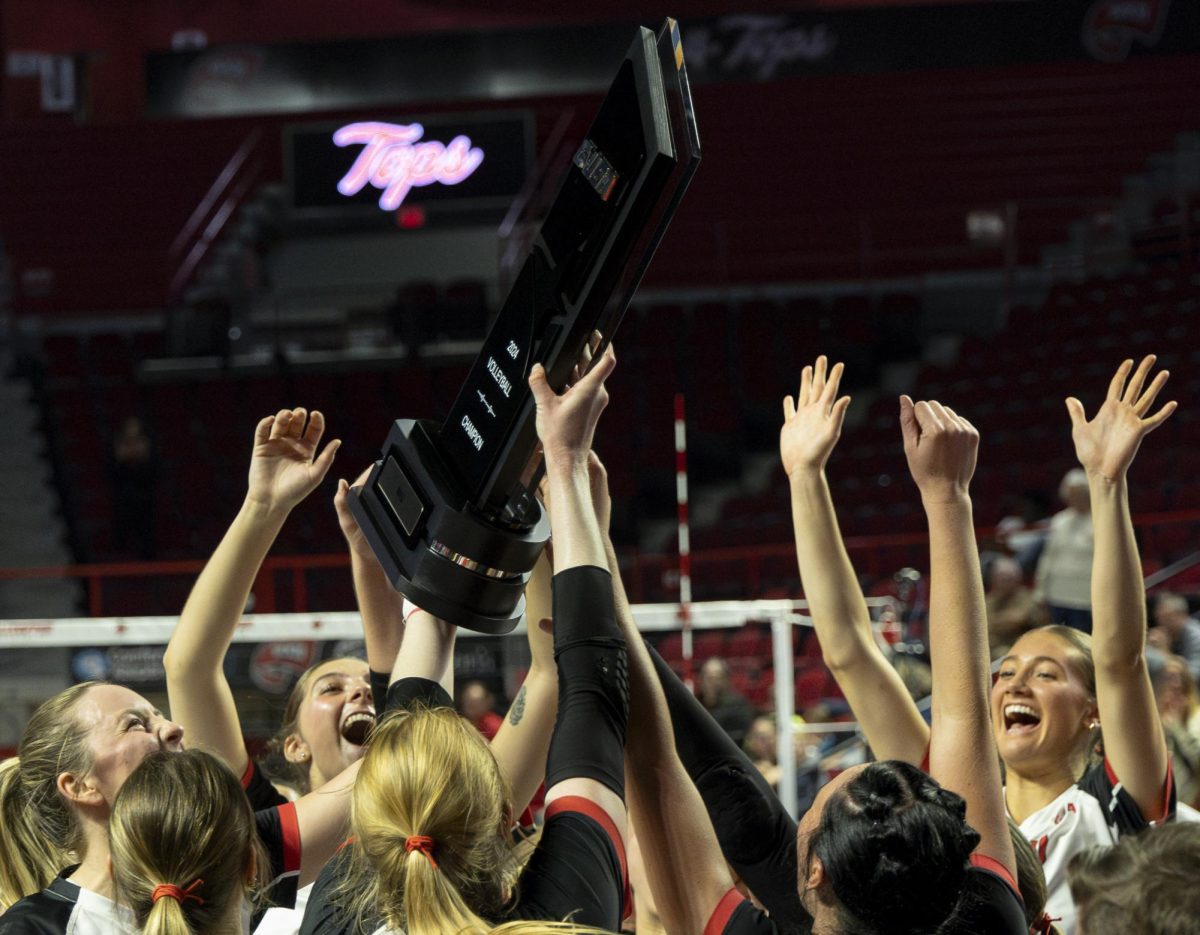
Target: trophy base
point(435, 547)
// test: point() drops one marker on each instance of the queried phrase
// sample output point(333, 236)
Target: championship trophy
point(449, 509)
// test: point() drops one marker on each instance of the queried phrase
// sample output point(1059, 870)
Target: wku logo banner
point(1111, 26)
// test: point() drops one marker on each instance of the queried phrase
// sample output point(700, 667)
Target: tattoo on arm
point(518, 708)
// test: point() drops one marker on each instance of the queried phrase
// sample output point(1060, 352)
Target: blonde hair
point(428, 772)
point(1080, 660)
point(179, 818)
point(27, 861)
point(39, 833)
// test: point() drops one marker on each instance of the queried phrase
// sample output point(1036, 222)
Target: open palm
point(1108, 443)
point(284, 468)
point(812, 423)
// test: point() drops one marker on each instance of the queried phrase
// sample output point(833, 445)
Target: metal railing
point(209, 218)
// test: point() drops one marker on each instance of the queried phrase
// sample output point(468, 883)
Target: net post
point(685, 547)
point(785, 707)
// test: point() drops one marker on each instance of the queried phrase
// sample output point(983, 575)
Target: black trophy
point(450, 509)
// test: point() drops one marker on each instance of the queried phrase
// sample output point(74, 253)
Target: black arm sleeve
point(757, 836)
point(379, 688)
point(593, 681)
point(406, 692)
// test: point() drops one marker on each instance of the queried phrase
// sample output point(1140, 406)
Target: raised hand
point(941, 449)
point(812, 423)
point(1107, 444)
point(566, 424)
point(341, 502)
point(284, 468)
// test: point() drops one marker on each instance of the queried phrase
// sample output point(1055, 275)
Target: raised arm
point(586, 750)
point(1106, 446)
point(381, 605)
point(284, 469)
point(682, 857)
point(889, 717)
point(523, 740)
point(941, 449)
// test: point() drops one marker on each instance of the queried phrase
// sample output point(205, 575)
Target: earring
point(1094, 724)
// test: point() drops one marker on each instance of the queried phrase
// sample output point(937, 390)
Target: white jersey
point(95, 915)
point(1095, 811)
point(279, 921)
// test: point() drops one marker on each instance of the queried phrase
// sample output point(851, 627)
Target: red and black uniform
point(990, 905)
point(64, 906)
point(578, 869)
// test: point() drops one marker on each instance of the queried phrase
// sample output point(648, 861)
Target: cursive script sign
point(396, 160)
point(756, 45)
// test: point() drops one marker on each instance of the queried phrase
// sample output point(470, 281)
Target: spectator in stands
point(1175, 632)
point(478, 705)
point(1011, 608)
point(1179, 708)
point(761, 746)
point(133, 473)
point(733, 712)
point(1147, 883)
point(1064, 571)
point(1023, 531)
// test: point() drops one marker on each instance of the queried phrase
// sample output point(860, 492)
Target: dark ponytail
point(895, 848)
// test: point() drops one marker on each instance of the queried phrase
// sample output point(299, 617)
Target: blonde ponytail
point(28, 862)
point(39, 835)
point(431, 852)
point(183, 838)
point(166, 917)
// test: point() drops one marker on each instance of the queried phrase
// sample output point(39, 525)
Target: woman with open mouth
point(330, 711)
point(1056, 687)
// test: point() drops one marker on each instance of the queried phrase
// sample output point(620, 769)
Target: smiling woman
point(328, 718)
point(1058, 687)
point(75, 755)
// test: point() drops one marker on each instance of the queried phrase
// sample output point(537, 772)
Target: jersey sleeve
point(379, 686)
point(990, 904)
point(1124, 817)
point(578, 869)
point(279, 831)
point(406, 693)
point(259, 791)
point(736, 915)
point(324, 914)
point(756, 834)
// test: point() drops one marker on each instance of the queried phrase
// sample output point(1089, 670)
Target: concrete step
point(27, 473)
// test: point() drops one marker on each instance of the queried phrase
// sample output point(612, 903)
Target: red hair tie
point(1044, 923)
point(171, 891)
point(422, 843)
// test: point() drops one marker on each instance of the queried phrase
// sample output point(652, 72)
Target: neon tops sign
point(396, 160)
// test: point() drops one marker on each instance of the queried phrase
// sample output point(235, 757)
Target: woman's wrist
point(260, 511)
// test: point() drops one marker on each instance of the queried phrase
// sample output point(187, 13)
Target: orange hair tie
point(422, 843)
point(171, 891)
point(1044, 923)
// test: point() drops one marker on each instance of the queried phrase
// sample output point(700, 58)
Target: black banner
point(451, 162)
point(506, 64)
